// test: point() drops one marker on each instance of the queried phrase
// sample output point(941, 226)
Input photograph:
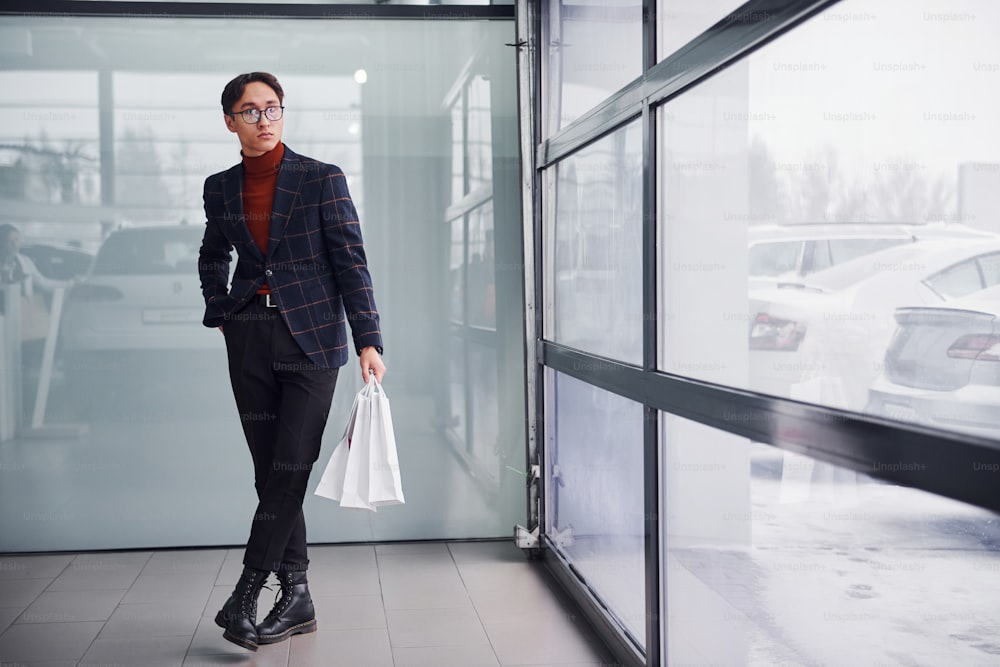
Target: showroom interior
point(690, 313)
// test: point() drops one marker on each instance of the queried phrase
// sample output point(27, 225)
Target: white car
point(790, 252)
point(58, 261)
point(942, 367)
point(823, 339)
point(139, 307)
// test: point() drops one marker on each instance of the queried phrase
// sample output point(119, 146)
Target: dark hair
point(234, 89)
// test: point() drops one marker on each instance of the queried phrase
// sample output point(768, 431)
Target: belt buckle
point(267, 301)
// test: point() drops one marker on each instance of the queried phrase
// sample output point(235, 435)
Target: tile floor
point(461, 604)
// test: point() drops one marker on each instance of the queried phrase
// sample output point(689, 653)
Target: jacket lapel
point(232, 196)
point(290, 175)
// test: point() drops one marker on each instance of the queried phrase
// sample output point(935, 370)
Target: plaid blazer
point(315, 264)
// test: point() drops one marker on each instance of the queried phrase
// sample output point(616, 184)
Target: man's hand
point(371, 362)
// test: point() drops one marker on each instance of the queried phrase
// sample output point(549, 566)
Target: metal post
point(48, 356)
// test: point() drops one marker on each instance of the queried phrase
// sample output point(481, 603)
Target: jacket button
point(268, 273)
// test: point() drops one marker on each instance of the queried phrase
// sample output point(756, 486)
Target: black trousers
point(283, 400)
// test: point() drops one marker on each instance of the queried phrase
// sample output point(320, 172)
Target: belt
point(264, 300)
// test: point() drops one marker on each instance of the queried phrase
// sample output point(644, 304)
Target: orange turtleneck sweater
point(260, 177)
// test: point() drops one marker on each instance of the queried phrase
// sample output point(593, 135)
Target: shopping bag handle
point(373, 386)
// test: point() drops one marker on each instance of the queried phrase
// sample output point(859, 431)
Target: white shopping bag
point(355, 493)
point(331, 484)
point(363, 471)
point(384, 485)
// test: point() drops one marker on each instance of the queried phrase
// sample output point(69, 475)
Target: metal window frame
point(133, 9)
point(923, 458)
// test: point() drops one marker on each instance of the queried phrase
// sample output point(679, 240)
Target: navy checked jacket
point(315, 265)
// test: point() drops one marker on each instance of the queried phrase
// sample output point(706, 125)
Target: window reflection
point(479, 142)
point(595, 48)
point(456, 265)
point(482, 268)
point(49, 152)
point(458, 176)
point(796, 561)
point(848, 188)
point(596, 241)
point(678, 21)
point(594, 477)
point(458, 415)
point(483, 391)
point(479, 433)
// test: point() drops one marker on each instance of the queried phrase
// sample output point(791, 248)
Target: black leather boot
point(239, 615)
point(293, 612)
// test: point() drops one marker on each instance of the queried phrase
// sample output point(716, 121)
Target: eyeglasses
point(252, 116)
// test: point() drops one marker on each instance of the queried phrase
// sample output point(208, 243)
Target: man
point(301, 264)
point(18, 268)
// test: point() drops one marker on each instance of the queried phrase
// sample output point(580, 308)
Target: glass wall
point(595, 503)
point(784, 233)
point(853, 229)
point(679, 21)
point(593, 49)
point(105, 147)
point(473, 412)
point(817, 565)
point(594, 297)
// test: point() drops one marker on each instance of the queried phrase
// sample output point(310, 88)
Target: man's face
point(260, 137)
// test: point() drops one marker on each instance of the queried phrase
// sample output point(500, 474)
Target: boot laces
point(248, 603)
point(285, 591)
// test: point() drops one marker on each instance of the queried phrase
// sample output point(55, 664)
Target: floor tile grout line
point(474, 607)
point(204, 608)
point(552, 591)
point(117, 606)
point(35, 599)
point(381, 595)
point(380, 560)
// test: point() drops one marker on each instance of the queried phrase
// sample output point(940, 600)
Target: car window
point(850, 272)
point(149, 252)
point(774, 258)
point(990, 266)
point(816, 257)
point(958, 280)
point(842, 250)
